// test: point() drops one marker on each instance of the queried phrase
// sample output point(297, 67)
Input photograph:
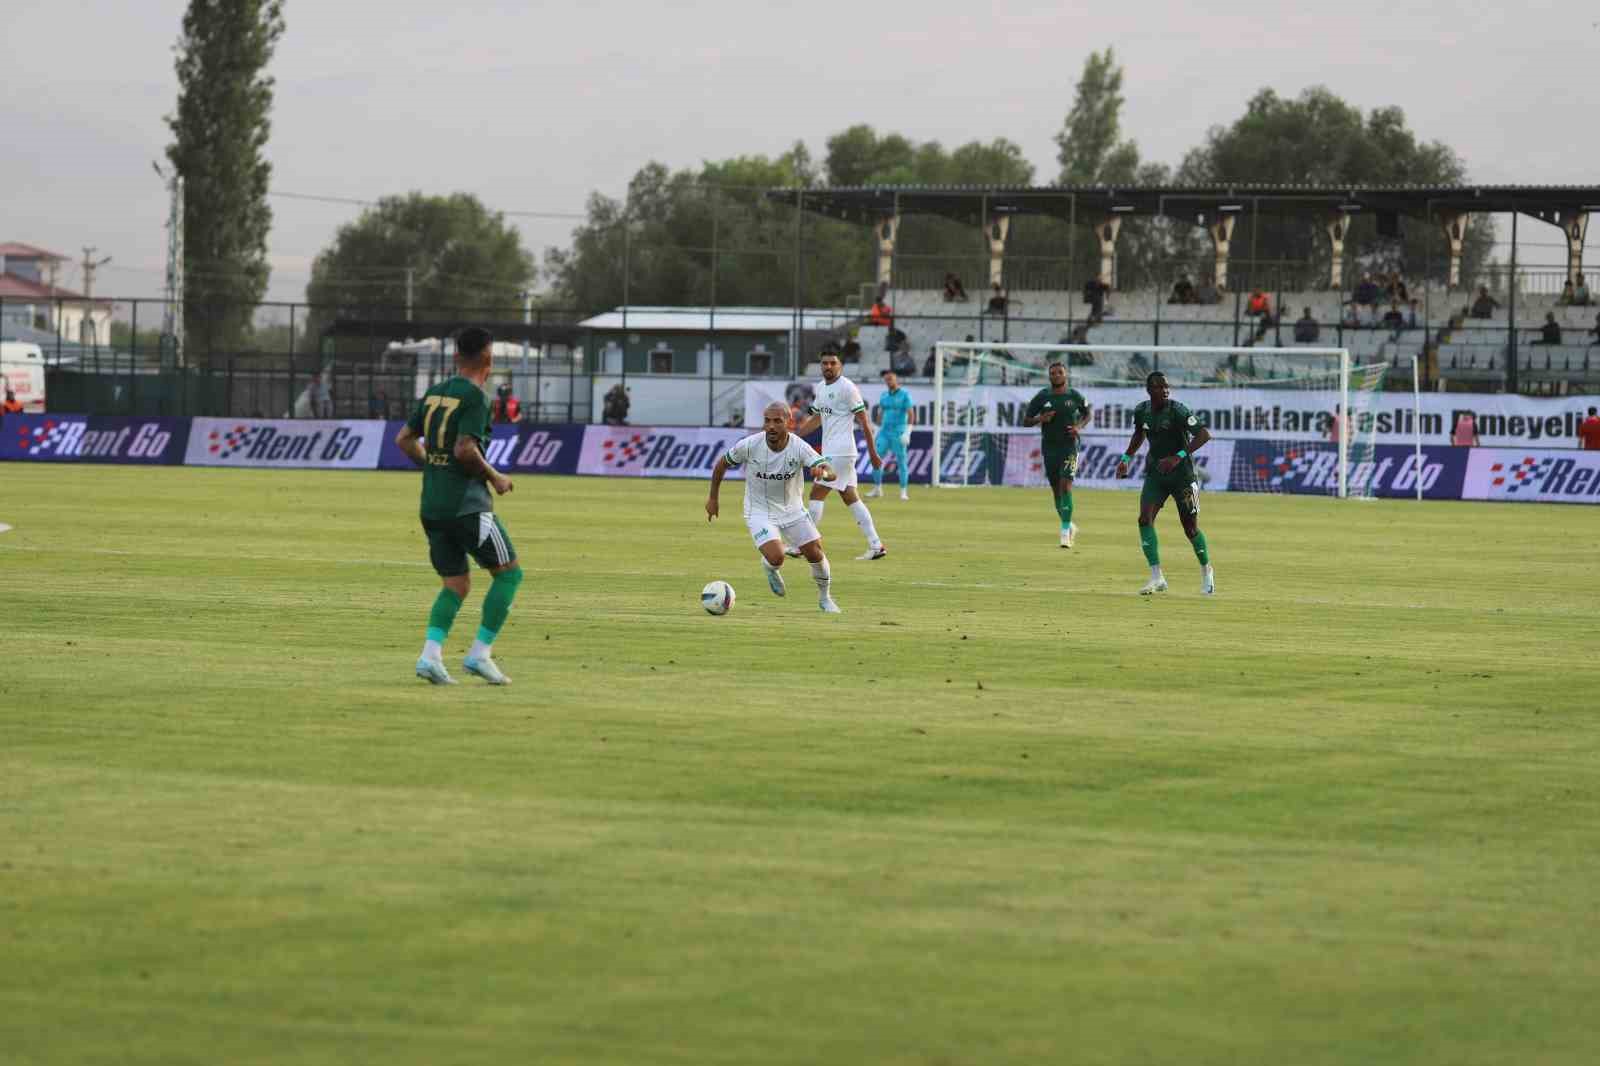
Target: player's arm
point(819, 467)
point(1135, 442)
point(718, 472)
point(471, 458)
point(1037, 413)
point(408, 440)
point(809, 425)
point(1197, 440)
point(866, 431)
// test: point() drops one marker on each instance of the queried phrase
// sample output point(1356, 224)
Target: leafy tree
point(1088, 148)
point(220, 129)
point(460, 255)
point(1317, 138)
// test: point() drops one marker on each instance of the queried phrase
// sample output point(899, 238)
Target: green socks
point(1064, 508)
point(443, 615)
point(1147, 541)
point(497, 604)
point(1199, 545)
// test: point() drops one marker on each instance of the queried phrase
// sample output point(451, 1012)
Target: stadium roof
point(702, 319)
point(966, 203)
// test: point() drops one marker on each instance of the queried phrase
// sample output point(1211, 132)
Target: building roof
point(967, 203)
point(722, 319)
point(15, 288)
point(18, 250)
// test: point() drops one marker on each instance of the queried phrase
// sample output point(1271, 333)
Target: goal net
point(1285, 419)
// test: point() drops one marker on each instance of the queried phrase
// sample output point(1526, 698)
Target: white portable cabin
point(22, 367)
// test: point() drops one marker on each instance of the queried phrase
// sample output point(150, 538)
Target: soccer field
point(1001, 810)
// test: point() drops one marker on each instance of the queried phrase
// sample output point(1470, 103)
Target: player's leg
point(820, 572)
point(902, 457)
point(769, 545)
point(819, 493)
point(877, 472)
point(1151, 497)
point(449, 559)
point(1068, 474)
point(1188, 503)
point(863, 517)
point(496, 555)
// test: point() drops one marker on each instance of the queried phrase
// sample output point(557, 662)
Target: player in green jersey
point(1175, 435)
point(446, 436)
point(1059, 412)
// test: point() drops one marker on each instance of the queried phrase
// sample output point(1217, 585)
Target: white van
point(22, 367)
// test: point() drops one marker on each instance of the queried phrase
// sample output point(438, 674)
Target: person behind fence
point(614, 409)
point(1465, 434)
point(1182, 291)
point(1484, 305)
point(998, 300)
point(12, 405)
point(1589, 431)
point(1580, 292)
point(1259, 305)
point(1568, 297)
point(1306, 330)
point(1550, 332)
point(1094, 294)
point(954, 291)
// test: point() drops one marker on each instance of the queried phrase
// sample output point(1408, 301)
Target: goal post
point(971, 445)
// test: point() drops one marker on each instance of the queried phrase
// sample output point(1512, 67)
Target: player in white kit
point(839, 408)
point(774, 463)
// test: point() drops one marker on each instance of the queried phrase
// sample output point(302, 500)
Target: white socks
point(1156, 574)
point(433, 651)
point(823, 576)
point(814, 509)
point(480, 650)
point(863, 517)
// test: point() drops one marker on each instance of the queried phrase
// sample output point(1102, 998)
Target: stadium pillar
point(996, 228)
point(1454, 224)
point(1511, 305)
point(1107, 231)
point(887, 229)
point(1574, 225)
point(1338, 226)
point(1221, 234)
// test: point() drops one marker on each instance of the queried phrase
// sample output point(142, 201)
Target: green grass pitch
point(1002, 810)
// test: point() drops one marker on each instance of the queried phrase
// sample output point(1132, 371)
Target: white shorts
point(845, 467)
point(797, 531)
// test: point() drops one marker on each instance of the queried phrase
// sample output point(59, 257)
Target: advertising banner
point(94, 439)
point(1313, 469)
point(293, 443)
point(1282, 414)
point(1531, 476)
point(518, 449)
point(642, 451)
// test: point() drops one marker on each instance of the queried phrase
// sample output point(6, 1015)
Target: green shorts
point(1182, 487)
point(1060, 464)
point(481, 535)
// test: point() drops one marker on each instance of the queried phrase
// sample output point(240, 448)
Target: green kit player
point(1059, 412)
point(445, 436)
point(1175, 435)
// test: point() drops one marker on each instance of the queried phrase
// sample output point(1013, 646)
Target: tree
point(1319, 139)
point(459, 255)
point(1088, 148)
point(220, 129)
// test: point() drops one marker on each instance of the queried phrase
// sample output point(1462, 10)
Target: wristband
point(1182, 454)
point(1126, 458)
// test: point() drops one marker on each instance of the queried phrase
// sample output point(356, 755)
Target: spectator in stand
point(881, 314)
point(1580, 292)
point(1395, 289)
point(1182, 292)
point(1484, 306)
point(1259, 306)
point(1550, 332)
point(1567, 297)
point(1595, 332)
point(927, 365)
point(1306, 330)
point(378, 405)
point(1465, 434)
point(1589, 431)
point(851, 352)
point(1366, 295)
point(902, 362)
point(1094, 294)
point(954, 291)
point(1207, 292)
point(999, 301)
point(895, 340)
point(506, 408)
point(1411, 314)
point(1394, 320)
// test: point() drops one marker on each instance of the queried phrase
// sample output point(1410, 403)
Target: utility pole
point(90, 265)
point(410, 279)
point(172, 314)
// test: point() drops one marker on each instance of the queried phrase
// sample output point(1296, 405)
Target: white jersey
point(772, 479)
point(837, 404)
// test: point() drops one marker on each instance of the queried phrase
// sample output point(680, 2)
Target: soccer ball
point(717, 597)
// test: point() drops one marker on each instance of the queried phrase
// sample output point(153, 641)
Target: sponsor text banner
point(50, 438)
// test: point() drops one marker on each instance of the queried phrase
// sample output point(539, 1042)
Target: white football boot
point(827, 606)
point(433, 672)
point(1208, 581)
point(1154, 585)
point(879, 552)
point(486, 669)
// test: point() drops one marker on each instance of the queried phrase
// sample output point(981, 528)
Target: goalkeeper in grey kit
point(1175, 435)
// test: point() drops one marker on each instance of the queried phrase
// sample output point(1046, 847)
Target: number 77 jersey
point(450, 410)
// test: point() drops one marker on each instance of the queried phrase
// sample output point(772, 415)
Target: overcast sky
point(532, 106)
